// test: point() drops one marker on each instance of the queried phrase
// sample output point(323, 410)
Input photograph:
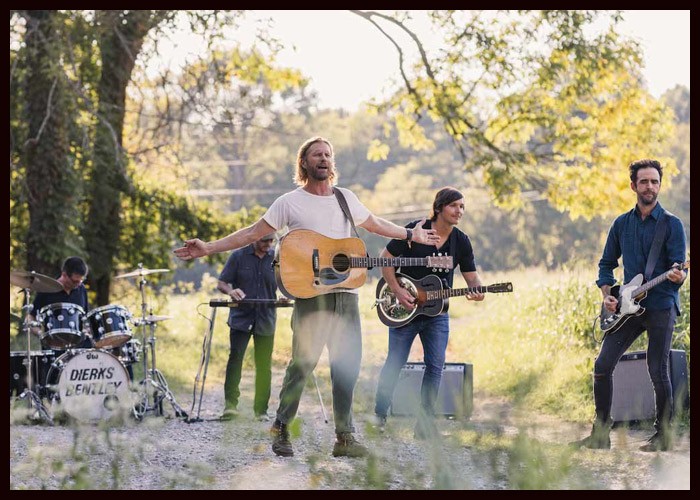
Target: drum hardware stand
point(202, 370)
point(153, 387)
point(33, 399)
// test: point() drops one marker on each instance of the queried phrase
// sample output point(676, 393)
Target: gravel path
point(494, 449)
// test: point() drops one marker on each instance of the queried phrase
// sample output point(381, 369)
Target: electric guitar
point(628, 298)
point(308, 264)
point(431, 298)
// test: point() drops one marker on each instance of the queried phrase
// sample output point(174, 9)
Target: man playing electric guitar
point(448, 208)
point(650, 252)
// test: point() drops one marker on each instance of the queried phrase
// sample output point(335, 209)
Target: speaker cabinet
point(633, 393)
point(455, 396)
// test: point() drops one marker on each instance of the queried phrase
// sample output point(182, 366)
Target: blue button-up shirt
point(256, 277)
point(631, 238)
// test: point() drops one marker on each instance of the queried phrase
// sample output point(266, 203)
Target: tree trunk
point(120, 43)
point(52, 183)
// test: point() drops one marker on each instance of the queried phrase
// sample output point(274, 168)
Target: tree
point(61, 55)
point(51, 189)
point(532, 102)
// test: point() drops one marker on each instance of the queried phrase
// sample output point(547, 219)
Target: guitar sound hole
point(341, 263)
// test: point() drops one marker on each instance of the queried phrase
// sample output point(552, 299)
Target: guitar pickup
point(315, 263)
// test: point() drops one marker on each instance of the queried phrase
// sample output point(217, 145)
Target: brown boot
point(347, 446)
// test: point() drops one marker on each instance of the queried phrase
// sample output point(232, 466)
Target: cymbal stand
point(153, 387)
point(33, 399)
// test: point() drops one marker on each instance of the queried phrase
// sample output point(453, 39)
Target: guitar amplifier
point(633, 393)
point(455, 396)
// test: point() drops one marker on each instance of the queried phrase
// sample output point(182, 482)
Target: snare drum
point(90, 385)
point(63, 325)
point(109, 325)
point(40, 362)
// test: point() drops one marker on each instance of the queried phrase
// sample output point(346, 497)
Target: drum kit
point(88, 384)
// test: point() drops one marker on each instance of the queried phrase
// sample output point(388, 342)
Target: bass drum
point(91, 385)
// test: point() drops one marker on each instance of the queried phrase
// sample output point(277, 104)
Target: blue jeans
point(659, 327)
point(332, 321)
point(434, 333)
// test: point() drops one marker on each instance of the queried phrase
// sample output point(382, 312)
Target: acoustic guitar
point(308, 264)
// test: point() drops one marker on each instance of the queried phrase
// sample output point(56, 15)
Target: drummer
point(73, 272)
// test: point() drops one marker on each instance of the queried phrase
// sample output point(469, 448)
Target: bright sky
point(349, 61)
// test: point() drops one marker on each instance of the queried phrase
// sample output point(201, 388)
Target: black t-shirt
point(457, 245)
point(76, 296)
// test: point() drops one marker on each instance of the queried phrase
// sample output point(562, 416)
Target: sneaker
point(379, 422)
point(229, 414)
point(425, 429)
point(281, 445)
point(660, 441)
point(262, 417)
point(347, 446)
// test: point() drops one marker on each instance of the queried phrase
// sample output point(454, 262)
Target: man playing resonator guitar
point(651, 242)
point(448, 208)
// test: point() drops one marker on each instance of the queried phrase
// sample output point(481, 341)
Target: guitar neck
point(370, 262)
point(446, 293)
point(652, 283)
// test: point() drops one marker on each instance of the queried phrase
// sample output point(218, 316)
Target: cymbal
point(34, 281)
point(142, 272)
point(150, 319)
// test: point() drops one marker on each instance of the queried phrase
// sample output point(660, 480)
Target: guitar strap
point(453, 254)
point(344, 207)
point(659, 235)
point(346, 210)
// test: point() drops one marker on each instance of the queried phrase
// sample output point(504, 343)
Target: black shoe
point(280, 440)
point(660, 441)
point(599, 438)
point(347, 446)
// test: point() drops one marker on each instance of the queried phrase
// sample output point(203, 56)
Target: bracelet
point(409, 235)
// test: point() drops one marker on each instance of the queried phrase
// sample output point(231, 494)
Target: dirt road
point(498, 448)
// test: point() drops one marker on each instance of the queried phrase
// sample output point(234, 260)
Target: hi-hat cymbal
point(34, 281)
point(150, 319)
point(142, 272)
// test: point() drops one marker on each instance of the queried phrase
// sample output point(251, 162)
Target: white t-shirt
point(300, 209)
